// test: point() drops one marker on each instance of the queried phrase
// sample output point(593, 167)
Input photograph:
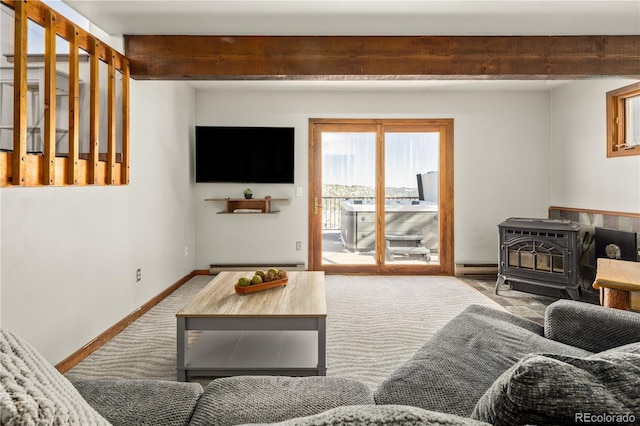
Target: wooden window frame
point(19, 168)
point(616, 121)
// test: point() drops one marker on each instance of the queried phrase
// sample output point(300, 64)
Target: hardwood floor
point(527, 305)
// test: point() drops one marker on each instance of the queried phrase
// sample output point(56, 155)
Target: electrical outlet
point(299, 245)
point(186, 251)
point(138, 274)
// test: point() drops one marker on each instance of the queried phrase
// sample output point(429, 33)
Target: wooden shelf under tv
point(255, 204)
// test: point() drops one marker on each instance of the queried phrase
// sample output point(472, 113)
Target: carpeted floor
point(374, 324)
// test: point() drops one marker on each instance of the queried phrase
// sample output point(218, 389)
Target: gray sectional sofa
point(483, 367)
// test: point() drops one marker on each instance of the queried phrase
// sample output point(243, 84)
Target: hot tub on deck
point(404, 218)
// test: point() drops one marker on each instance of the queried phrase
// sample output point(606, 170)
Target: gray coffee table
point(281, 331)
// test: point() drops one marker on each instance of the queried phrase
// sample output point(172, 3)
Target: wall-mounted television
point(244, 154)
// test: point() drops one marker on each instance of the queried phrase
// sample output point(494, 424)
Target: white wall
point(491, 130)
point(69, 255)
point(583, 176)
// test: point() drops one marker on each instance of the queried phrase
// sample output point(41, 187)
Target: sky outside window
point(349, 158)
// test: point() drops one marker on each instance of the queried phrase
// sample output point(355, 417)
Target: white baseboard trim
point(462, 269)
point(216, 268)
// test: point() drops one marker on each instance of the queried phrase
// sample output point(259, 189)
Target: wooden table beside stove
point(617, 279)
point(281, 331)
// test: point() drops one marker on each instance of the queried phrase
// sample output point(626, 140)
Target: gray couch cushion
point(141, 402)
point(453, 369)
point(559, 389)
point(264, 399)
point(33, 392)
point(367, 415)
point(591, 327)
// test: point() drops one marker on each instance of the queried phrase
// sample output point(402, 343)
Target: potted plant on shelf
point(247, 193)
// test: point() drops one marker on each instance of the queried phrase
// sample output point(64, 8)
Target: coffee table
point(281, 331)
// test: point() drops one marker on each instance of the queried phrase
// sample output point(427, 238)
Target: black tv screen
point(244, 154)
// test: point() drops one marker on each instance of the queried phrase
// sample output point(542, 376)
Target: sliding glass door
point(412, 178)
point(376, 202)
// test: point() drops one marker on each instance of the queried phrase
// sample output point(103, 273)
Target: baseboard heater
point(463, 269)
point(216, 268)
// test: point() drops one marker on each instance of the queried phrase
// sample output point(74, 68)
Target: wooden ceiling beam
point(189, 57)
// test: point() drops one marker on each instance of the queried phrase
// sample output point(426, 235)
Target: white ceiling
point(365, 17)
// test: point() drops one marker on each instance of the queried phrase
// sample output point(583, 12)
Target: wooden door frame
point(445, 215)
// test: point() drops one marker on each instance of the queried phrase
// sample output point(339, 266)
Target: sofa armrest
point(590, 327)
point(141, 402)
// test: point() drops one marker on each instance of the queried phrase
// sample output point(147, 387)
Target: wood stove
point(540, 256)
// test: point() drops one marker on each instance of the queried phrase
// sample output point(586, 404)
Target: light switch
point(299, 191)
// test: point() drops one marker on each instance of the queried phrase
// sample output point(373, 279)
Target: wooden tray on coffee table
point(254, 288)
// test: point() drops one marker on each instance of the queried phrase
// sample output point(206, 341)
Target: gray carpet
point(374, 324)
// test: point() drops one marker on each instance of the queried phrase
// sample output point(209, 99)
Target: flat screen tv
point(244, 154)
